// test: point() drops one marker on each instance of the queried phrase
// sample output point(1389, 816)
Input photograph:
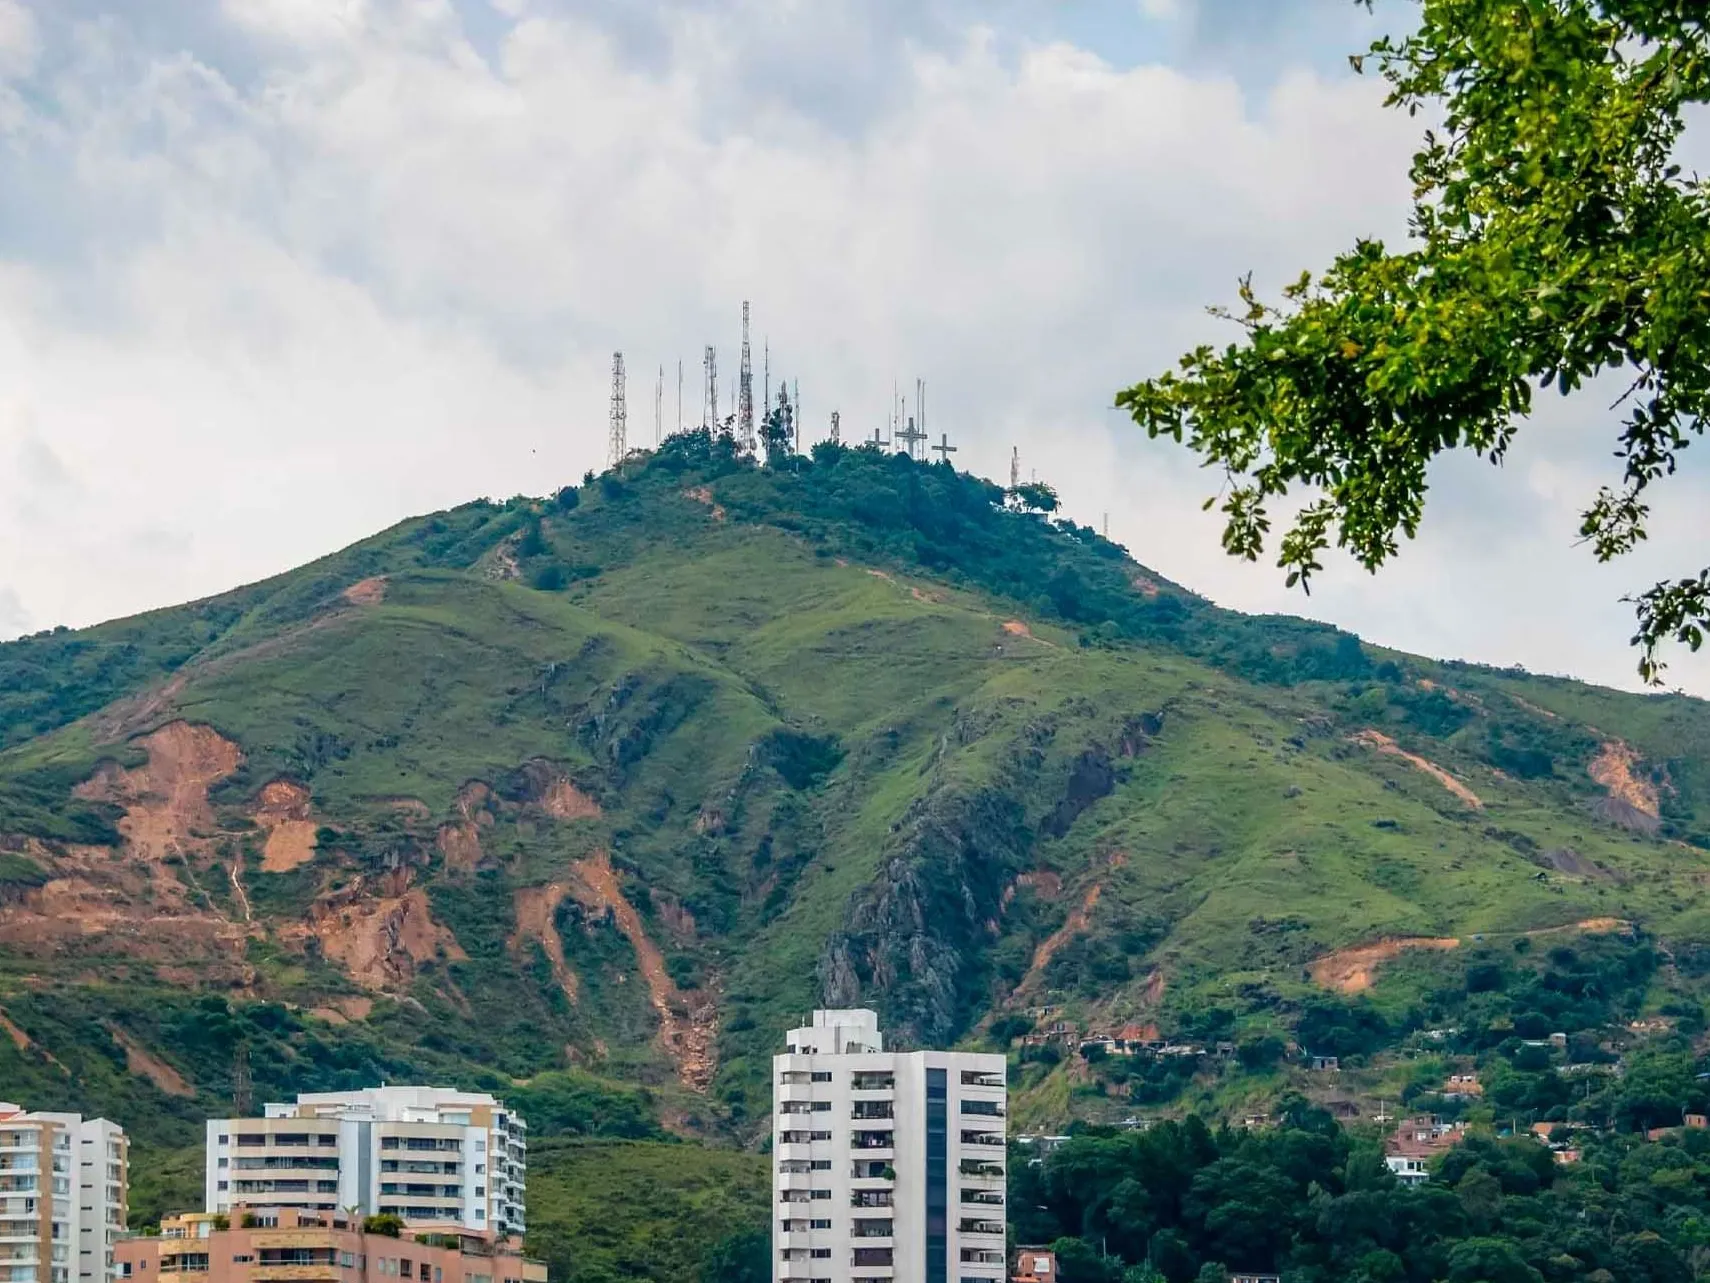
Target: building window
point(937, 1176)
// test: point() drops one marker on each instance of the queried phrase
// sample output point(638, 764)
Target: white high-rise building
point(885, 1165)
point(64, 1186)
point(429, 1155)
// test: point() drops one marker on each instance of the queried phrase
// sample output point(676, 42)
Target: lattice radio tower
point(659, 409)
point(709, 408)
point(745, 389)
point(836, 428)
point(619, 445)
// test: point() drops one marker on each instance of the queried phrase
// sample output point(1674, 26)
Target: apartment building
point(885, 1165)
point(286, 1245)
point(429, 1155)
point(64, 1186)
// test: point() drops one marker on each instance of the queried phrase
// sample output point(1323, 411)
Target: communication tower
point(619, 444)
point(745, 384)
point(836, 428)
point(709, 407)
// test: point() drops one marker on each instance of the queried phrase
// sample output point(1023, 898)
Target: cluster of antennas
point(779, 425)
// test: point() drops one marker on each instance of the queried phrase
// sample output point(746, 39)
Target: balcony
point(976, 1078)
point(982, 1197)
point(872, 1198)
point(870, 1169)
point(873, 1083)
point(981, 1227)
point(987, 1140)
point(982, 1108)
point(981, 1256)
point(870, 1140)
point(979, 1170)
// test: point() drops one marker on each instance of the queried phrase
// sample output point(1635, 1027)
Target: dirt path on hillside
point(1354, 969)
point(1383, 744)
point(688, 1023)
point(145, 1064)
point(23, 1042)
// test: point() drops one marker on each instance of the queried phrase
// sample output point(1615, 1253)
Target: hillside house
point(1255, 1278)
point(1463, 1087)
point(1408, 1153)
point(1035, 1265)
point(1324, 1064)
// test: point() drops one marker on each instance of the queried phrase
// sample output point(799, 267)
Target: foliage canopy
point(1554, 237)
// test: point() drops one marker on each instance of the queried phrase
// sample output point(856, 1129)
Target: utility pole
point(618, 446)
point(745, 381)
point(767, 400)
point(679, 394)
point(798, 419)
point(659, 409)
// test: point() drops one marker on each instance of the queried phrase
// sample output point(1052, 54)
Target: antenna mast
point(679, 394)
point(659, 409)
point(745, 397)
point(1014, 466)
point(619, 444)
point(798, 418)
point(836, 428)
point(709, 389)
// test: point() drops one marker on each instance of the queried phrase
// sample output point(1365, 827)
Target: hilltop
point(583, 798)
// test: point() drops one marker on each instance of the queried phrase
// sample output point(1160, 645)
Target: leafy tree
point(1554, 237)
point(1033, 496)
point(741, 1257)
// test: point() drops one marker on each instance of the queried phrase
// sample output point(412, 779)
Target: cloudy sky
point(277, 273)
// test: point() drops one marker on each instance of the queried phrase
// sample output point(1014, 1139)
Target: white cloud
point(378, 270)
point(18, 39)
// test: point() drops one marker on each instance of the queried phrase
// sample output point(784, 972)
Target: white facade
point(64, 1186)
point(885, 1165)
point(429, 1155)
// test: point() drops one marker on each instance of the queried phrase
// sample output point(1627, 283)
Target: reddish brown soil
point(703, 494)
point(145, 1064)
point(381, 940)
point(688, 1024)
point(166, 801)
point(1354, 970)
point(564, 801)
point(284, 813)
point(1073, 925)
point(367, 592)
point(460, 841)
point(1383, 744)
point(537, 910)
point(1614, 769)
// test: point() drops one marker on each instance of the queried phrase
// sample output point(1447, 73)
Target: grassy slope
point(1254, 835)
point(623, 1212)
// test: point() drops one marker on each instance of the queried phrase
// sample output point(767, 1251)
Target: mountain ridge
point(584, 798)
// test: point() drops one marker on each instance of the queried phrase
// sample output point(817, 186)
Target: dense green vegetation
point(625, 1212)
point(850, 729)
point(1315, 1203)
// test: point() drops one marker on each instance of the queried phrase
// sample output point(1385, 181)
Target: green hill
point(584, 799)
